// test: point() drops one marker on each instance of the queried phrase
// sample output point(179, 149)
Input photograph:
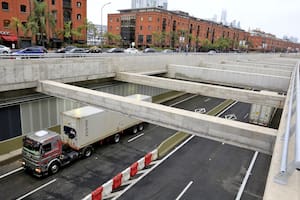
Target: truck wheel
point(141, 127)
point(117, 138)
point(54, 168)
point(135, 130)
point(88, 152)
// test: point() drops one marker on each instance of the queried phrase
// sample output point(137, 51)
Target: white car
point(131, 50)
point(4, 49)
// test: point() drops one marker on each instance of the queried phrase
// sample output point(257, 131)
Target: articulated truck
point(45, 152)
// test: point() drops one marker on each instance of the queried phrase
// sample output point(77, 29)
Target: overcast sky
point(280, 17)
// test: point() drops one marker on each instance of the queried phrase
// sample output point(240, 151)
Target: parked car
point(65, 49)
point(4, 49)
point(36, 50)
point(131, 50)
point(149, 50)
point(115, 50)
point(78, 50)
point(95, 49)
point(168, 51)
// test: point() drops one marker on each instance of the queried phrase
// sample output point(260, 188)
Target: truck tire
point(135, 130)
point(141, 127)
point(117, 138)
point(88, 151)
point(54, 168)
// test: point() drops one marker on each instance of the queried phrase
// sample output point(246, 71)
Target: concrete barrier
point(170, 143)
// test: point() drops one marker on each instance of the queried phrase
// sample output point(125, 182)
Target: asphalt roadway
point(80, 178)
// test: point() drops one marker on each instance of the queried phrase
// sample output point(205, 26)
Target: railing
point(292, 129)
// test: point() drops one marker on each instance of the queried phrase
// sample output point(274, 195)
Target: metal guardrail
point(291, 129)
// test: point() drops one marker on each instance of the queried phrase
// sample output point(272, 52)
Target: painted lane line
point(11, 172)
point(242, 188)
point(136, 137)
point(184, 190)
point(207, 100)
point(174, 104)
point(160, 161)
point(37, 189)
point(227, 108)
point(246, 116)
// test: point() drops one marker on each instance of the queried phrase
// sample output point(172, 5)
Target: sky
point(279, 17)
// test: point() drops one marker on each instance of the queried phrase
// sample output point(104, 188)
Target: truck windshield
point(31, 144)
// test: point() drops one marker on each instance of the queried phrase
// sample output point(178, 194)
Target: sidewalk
point(10, 157)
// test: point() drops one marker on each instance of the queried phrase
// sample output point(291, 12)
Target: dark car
point(65, 49)
point(36, 50)
point(115, 50)
point(149, 50)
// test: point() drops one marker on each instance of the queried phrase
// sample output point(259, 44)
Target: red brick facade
point(20, 9)
point(190, 30)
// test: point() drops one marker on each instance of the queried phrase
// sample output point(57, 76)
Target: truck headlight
point(23, 163)
point(38, 170)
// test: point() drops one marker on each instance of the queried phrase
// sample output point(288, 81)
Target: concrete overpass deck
point(28, 74)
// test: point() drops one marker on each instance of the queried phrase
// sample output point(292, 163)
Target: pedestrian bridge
point(265, 79)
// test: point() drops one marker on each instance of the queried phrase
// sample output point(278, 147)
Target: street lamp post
point(102, 22)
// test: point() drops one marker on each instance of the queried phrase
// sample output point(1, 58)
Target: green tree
point(16, 24)
point(37, 22)
point(206, 45)
point(112, 38)
point(92, 29)
point(222, 44)
point(159, 38)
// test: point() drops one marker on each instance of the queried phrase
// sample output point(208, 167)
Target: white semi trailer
point(45, 151)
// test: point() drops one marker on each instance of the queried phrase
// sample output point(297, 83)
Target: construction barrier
point(148, 159)
point(97, 194)
point(107, 188)
point(141, 163)
point(134, 169)
point(117, 181)
point(126, 174)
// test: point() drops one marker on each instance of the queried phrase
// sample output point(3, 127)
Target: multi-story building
point(149, 3)
point(62, 11)
point(176, 29)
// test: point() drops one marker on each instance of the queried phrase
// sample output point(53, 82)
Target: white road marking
point(136, 137)
point(11, 172)
point(207, 100)
point(184, 190)
point(241, 190)
point(37, 189)
point(152, 168)
point(246, 116)
point(174, 104)
point(227, 108)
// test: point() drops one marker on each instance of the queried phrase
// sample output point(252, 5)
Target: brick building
point(62, 10)
point(146, 26)
point(176, 29)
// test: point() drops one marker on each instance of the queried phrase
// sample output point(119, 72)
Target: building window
point(150, 19)
point(23, 8)
point(78, 4)
point(149, 28)
point(149, 39)
point(111, 20)
point(141, 28)
point(118, 20)
point(53, 2)
point(140, 39)
point(110, 28)
point(24, 24)
point(4, 5)
point(78, 16)
point(142, 19)
point(117, 28)
point(6, 23)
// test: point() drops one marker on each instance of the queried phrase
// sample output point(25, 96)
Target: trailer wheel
point(87, 152)
point(141, 127)
point(117, 138)
point(54, 168)
point(135, 130)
